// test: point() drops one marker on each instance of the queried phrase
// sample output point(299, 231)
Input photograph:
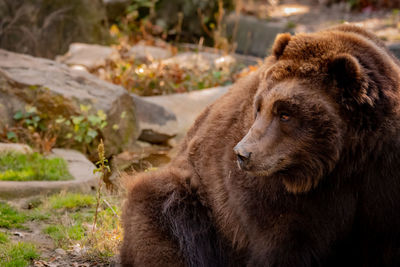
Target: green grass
point(71, 201)
point(71, 211)
point(62, 234)
point(17, 254)
point(39, 215)
point(32, 167)
point(3, 238)
point(10, 218)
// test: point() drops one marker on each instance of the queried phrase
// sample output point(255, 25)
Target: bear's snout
point(243, 156)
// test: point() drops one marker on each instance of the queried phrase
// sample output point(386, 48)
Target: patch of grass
point(11, 218)
point(39, 215)
point(63, 235)
point(55, 232)
point(3, 238)
point(83, 217)
point(17, 254)
point(32, 167)
point(71, 201)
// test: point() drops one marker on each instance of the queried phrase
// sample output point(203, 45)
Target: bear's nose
point(243, 156)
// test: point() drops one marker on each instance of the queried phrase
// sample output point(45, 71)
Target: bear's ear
point(348, 74)
point(281, 41)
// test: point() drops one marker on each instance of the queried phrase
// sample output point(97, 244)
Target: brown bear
point(297, 165)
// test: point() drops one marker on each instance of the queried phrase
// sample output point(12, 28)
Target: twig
point(111, 208)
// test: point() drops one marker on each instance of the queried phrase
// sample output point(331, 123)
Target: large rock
point(157, 123)
point(188, 106)
point(56, 89)
point(90, 56)
point(45, 28)
point(253, 36)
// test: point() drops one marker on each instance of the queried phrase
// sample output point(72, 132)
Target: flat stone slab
point(79, 167)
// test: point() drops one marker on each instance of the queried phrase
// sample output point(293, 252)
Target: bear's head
point(309, 95)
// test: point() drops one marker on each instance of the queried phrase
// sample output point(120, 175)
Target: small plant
point(82, 131)
point(102, 168)
point(84, 128)
point(11, 218)
point(106, 232)
point(31, 127)
point(43, 131)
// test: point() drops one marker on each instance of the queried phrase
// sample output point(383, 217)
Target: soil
point(50, 254)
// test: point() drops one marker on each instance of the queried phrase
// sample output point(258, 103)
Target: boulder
point(187, 106)
point(90, 56)
point(45, 28)
point(253, 36)
point(56, 89)
point(157, 124)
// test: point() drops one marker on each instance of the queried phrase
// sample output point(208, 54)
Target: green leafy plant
point(30, 118)
point(83, 128)
point(43, 131)
point(32, 127)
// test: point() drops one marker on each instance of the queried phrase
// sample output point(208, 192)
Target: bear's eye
point(284, 117)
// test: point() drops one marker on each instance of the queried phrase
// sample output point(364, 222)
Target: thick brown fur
point(316, 133)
